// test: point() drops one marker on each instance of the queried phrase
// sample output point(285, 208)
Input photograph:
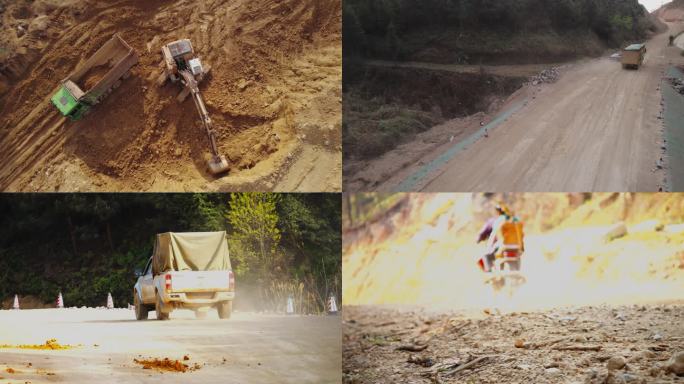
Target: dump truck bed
point(90, 80)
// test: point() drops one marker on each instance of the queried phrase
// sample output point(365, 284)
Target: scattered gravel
point(547, 76)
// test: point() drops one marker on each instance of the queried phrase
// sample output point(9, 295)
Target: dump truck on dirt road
point(633, 56)
point(188, 270)
point(90, 83)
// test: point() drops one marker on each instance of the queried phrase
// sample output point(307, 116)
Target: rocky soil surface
point(592, 344)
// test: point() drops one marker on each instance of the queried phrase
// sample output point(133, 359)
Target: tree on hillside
point(392, 41)
point(254, 220)
point(354, 35)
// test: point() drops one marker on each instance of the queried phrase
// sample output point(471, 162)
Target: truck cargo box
point(191, 251)
point(633, 55)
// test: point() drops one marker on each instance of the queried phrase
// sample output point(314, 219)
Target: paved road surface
point(258, 348)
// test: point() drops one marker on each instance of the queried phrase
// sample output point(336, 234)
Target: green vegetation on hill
point(89, 244)
point(481, 31)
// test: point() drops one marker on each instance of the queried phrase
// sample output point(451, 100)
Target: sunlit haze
point(425, 254)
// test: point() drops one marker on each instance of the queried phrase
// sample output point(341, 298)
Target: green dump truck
point(633, 56)
point(92, 81)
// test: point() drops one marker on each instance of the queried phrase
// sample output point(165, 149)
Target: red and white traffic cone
point(110, 302)
point(16, 302)
point(60, 301)
point(332, 305)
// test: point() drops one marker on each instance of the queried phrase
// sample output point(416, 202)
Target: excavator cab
point(180, 64)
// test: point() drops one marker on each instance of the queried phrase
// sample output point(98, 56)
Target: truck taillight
point(167, 278)
point(231, 280)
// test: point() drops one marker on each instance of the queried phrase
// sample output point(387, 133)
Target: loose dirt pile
point(596, 344)
point(93, 76)
point(166, 365)
point(51, 344)
point(547, 76)
point(275, 68)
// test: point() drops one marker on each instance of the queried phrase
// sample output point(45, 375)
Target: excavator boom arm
point(191, 83)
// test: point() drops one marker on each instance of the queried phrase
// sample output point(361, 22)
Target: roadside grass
point(387, 107)
point(372, 128)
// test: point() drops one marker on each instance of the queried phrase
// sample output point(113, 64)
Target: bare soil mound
point(275, 66)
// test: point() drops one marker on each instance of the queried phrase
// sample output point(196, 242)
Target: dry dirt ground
point(639, 339)
point(274, 95)
point(248, 348)
point(598, 128)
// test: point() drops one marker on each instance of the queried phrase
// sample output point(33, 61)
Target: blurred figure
point(505, 245)
point(507, 239)
point(486, 262)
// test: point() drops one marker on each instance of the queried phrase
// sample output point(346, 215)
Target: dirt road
point(561, 345)
point(248, 348)
point(596, 129)
point(273, 96)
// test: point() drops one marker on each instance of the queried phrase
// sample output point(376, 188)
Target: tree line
point(376, 28)
point(86, 245)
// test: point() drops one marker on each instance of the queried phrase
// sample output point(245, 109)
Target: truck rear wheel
point(225, 309)
point(159, 308)
point(141, 311)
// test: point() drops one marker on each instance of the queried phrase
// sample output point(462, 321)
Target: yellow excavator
point(180, 65)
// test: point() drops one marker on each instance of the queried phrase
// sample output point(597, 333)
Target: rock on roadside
point(676, 364)
point(616, 362)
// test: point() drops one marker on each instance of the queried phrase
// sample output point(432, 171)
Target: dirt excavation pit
point(275, 67)
point(388, 106)
point(167, 365)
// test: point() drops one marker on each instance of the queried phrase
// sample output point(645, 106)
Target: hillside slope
point(671, 12)
point(486, 32)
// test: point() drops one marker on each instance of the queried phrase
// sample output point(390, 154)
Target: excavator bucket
point(218, 165)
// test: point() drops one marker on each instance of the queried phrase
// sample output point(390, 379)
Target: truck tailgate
point(200, 281)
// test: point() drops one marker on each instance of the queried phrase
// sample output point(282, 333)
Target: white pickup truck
point(187, 270)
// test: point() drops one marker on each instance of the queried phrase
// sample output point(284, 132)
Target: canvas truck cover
point(191, 251)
